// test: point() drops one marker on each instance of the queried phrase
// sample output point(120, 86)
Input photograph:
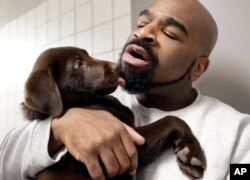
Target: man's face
point(161, 50)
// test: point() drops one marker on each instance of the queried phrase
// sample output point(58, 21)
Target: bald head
point(200, 24)
point(206, 27)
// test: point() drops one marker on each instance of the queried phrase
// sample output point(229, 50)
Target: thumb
point(135, 136)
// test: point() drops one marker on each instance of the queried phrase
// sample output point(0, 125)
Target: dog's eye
point(78, 63)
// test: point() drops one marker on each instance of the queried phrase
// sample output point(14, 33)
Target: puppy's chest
point(107, 103)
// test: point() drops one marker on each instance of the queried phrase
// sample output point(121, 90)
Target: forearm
point(25, 151)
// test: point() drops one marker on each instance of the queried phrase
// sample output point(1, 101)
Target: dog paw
point(190, 158)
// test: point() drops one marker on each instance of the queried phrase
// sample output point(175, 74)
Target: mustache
point(140, 42)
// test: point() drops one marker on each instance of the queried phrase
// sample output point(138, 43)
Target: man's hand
point(93, 135)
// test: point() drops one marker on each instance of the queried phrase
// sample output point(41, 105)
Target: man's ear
point(199, 68)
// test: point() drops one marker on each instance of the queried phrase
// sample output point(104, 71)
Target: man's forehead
point(166, 8)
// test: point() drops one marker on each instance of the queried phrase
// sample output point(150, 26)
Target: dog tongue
point(121, 82)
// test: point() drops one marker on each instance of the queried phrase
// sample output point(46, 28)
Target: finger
point(94, 168)
point(136, 137)
point(131, 151)
point(110, 162)
point(122, 157)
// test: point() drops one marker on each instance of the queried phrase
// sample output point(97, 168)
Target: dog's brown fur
point(67, 77)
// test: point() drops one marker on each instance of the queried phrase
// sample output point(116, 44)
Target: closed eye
point(170, 35)
point(141, 25)
point(143, 22)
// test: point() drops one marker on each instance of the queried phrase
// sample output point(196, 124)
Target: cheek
point(168, 58)
point(79, 78)
point(95, 76)
point(171, 64)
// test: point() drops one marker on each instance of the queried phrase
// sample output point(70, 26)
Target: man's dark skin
point(90, 135)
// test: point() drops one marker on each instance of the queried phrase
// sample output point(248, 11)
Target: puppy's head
point(66, 71)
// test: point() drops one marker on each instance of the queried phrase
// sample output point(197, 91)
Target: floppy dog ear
point(42, 93)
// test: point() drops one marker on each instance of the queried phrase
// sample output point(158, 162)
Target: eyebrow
point(145, 12)
point(168, 21)
point(172, 21)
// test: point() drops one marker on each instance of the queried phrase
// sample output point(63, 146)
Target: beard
point(138, 82)
point(141, 81)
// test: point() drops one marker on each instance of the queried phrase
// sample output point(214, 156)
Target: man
point(165, 54)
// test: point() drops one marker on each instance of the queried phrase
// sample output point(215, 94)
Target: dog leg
point(168, 132)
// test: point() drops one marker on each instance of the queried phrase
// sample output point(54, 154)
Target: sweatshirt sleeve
point(241, 153)
point(24, 151)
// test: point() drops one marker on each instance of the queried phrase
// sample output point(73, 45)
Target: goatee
point(138, 82)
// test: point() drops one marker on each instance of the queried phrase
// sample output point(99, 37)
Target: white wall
point(100, 26)
point(228, 77)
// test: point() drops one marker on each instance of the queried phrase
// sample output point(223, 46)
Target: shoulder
point(218, 108)
point(224, 127)
point(217, 116)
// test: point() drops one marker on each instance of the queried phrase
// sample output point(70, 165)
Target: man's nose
point(147, 33)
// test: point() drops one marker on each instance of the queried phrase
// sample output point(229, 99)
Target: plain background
point(101, 27)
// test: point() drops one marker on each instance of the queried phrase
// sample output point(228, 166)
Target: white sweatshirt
point(24, 151)
point(223, 132)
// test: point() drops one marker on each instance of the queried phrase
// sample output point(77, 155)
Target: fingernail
point(133, 173)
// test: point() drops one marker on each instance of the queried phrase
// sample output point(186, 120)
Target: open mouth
point(135, 56)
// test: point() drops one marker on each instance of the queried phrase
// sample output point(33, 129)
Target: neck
point(168, 100)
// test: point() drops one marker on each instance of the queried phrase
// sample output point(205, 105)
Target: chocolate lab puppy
point(67, 77)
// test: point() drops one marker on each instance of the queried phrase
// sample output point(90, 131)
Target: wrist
point(55, 142)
